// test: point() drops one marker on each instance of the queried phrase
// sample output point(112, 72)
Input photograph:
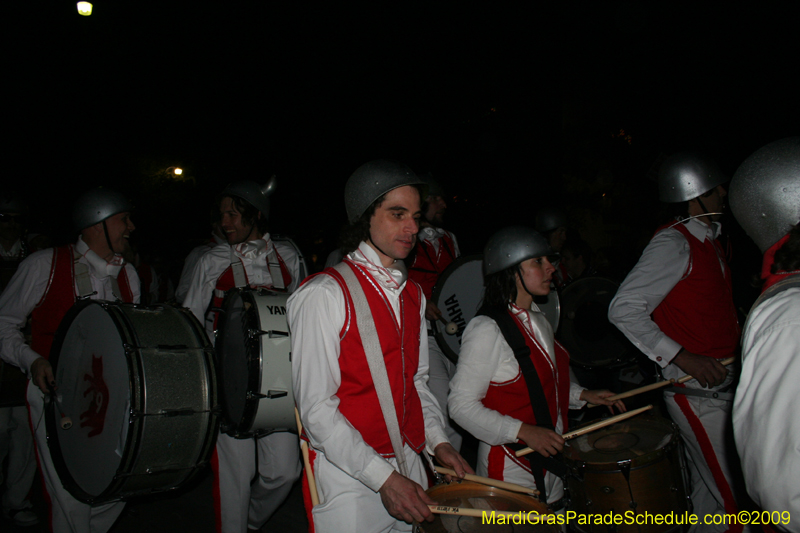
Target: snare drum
point(253, 354)
point(140, 387)
point(476, 496)
point(635, 465)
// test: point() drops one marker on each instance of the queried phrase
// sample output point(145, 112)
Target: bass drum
point(459, 293)
point(254, 361)
point(303, 267)
point(592, 341)
point(476, 496)
point(635, 466)
point(140, 386)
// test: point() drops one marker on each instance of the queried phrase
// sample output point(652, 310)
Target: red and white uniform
point(489, 396)
point(436, 249)
point(191, 262)
point(240, 504)
point(352, 454)
point(684, 282)
point(765, 421)
point(47, 291)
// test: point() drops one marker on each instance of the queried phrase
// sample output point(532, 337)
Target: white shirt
point(189, 264)
point(27, 287)
point(662, 265)
point(14, 252)
point(434, 236)
point(214, 262)
point(316, 315)
point(766, 423)
point(486, 357)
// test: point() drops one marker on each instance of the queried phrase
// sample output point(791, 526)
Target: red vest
point(59, 297)
point(225, 282)
point(511, 397)
point(358, 401)
point(428, 264)
point(699, 313)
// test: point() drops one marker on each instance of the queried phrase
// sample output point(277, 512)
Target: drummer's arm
point(25, 289)
point(661, 266)
point(316, 315)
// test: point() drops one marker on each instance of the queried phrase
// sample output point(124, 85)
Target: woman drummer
point(506, 402)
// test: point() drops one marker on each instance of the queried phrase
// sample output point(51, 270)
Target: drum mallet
point(593, 427)
point(490, 482)
point(312, 484)
point(451, 328)
point(658, 385)
point(476, 513)
point(66, 422)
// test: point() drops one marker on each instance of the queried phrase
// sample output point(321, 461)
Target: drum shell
point(172, 393)
point(254, 359)
point(657, 485)
point(465, 493)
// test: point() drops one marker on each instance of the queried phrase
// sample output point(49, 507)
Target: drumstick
point(658, 385)
point(477, 513)
point(66, 422)
point(592, 427)
point(312, 484)
point(491, 482)
point(450, 327)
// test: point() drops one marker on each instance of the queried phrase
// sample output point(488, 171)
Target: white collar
point(253, 249)
point(393, 277)
point(101, 268)
point(702, 231)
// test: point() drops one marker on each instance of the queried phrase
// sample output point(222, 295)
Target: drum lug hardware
point(255, 395)
point(129, 348)
point(270, 334)
point(607, 490)
point(273, 394)
point(177, 412)
point(218, 310)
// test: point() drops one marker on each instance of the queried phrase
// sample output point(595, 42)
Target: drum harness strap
point(513, 336)
point(84, 282)
point(377, 368)
point(274, 266)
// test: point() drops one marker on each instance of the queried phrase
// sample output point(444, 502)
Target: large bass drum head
point(237, 351)
point(91, 370)
point(591, 340)
point(458, 294)
point(639, 439)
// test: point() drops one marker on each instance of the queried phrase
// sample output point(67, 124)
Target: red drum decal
point(95, 416)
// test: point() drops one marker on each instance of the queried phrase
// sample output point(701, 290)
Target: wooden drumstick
point(657, 385)
point(312, 484)
point(593, 427)
point(66, 422)
point(477, 513)
point(490, 482)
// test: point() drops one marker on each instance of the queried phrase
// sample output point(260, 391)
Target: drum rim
point(241, 429)
point(438, 329)
point(136, 395)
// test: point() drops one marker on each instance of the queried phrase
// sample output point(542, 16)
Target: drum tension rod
point(271, 333)
point(271, 394)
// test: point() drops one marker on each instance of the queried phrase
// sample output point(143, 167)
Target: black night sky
point(511, 108)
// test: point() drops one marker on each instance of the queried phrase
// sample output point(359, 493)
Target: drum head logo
point(95, 416)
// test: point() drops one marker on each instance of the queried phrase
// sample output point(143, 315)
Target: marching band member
point(765, 198)
point(502, 398)
point(249, 258)
point(46, 286)
point(353, 456)
point(676, 306)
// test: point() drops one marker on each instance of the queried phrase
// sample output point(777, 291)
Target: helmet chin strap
point(108, 239)
point(378, 248)
point(522, 280)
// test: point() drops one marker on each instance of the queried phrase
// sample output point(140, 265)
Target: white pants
point(440, 371)
point(705, 426)
point(16, 442)
point(67, 514)
point(349, 506)
point(491, 464)
point(243, 501)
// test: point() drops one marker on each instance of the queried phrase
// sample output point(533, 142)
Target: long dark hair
point(500, 288)
point(787, 258)
point(248, 212)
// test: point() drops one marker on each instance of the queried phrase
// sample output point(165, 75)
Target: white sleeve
point(456, 250)
point(188, 269)
point(201, 288)
point(431, 412)
point(482, 348)
point(25, 289)
point(316, 315)
point(660, 268)
point(292, 261)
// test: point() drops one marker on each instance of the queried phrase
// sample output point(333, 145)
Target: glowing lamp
point(84, 8)
point(178, 171)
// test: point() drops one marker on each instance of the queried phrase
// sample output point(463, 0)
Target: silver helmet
point(511, 246)
point(255, 194)
point(96, 205)
point(550, 218)
point(765, 192)
point(372, 180)
point(686, 175)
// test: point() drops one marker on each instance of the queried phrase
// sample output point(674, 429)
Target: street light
point(84, 9)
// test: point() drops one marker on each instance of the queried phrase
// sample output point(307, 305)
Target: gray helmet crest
point(686, 175)
point(253, 193)
point(550, 218)
point(765, 192)
point(96, 205)
point(372, 180)
point(511, 246)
